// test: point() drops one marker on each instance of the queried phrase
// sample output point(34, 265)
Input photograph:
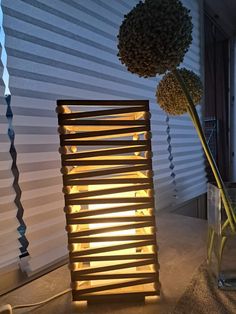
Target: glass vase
point(221, 240)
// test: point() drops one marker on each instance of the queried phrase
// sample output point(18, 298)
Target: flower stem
point(196, 121)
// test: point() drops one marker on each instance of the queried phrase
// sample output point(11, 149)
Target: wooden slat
point(105, 122)
point(111, 229)
point(117, 247)
point(100, 269)
point(114, 257)
point(118, 209)
point(110, 239)
point(72, 102)
point(108, 181)
point(109, 171)
point(104, 133)
point(106, 152)
point(100, 192)
point(102, 162)
point(98, 113)
point(71, 221)
point(103, 143)
point(111, 297)
point(113, 276)
point(116, 286)
point(120, 200)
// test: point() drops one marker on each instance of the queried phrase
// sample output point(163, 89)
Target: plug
point(6, 309)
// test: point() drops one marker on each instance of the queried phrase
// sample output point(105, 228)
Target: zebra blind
point(63, 50)
point(188, 159)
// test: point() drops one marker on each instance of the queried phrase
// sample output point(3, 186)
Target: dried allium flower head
point(154, 37)
point(170, 95)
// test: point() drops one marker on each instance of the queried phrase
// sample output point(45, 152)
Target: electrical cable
point(8, 309)
point(42, 302)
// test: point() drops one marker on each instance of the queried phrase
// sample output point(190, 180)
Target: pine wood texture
point(109, 200)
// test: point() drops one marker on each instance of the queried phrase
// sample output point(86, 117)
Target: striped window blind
point(63, 50)
point(188, 159)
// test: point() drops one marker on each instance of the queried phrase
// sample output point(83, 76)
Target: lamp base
point(139, 297)
point(117, 299)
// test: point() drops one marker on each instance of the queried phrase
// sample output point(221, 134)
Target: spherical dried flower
point(170, 95)
point(154, 37)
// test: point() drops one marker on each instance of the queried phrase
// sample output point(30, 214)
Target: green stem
point(224, 226)
point(196, 121)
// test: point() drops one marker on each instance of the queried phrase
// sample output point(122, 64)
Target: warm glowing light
point(109, 201)
point(113, 233)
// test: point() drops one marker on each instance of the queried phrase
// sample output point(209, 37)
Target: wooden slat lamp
point(109, 202)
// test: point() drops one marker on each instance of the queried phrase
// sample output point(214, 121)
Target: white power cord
point(8, 309)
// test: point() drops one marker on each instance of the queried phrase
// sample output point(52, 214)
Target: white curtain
point(9, 243)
